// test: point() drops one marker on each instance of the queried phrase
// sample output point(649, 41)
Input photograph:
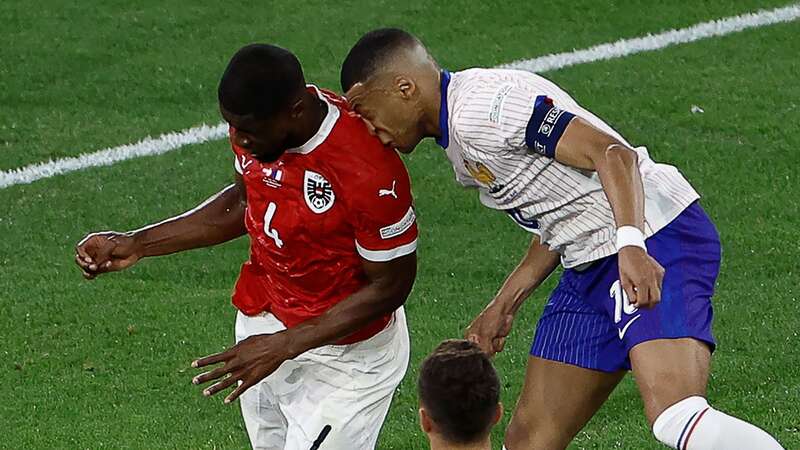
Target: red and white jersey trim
point(400, 227)
point(324, 129)
point(386, 255)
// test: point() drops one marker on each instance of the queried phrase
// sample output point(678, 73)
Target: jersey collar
point(324, 129)
point(444, 139)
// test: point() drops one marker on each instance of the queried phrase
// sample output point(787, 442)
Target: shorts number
point(271, 232)
point(621, 303)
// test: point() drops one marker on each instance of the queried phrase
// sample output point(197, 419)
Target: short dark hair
point(459, 389)
point(260, 80)
point(370, 51)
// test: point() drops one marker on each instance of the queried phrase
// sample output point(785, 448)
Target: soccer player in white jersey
point(640, 255)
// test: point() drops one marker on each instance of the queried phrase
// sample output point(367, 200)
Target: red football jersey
point(313, 214)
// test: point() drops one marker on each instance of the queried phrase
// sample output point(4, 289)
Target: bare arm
point(537, 264)
point(389, 286)
point(584, 146)
point(254, 358)
point(490, 329)
point(218, 219)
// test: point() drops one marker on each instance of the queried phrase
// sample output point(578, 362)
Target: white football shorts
point(346, 388)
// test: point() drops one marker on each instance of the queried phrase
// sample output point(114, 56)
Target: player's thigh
point(668, 371)
point(556, 401)
point(265, 424)
point(348, 390)
point(349, 419)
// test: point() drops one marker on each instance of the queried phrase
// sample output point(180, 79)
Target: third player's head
point(459, 395)
point(392, 82)
point(262, 94)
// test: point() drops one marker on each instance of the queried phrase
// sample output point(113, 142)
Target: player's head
point(261, 94)
point(390, 79)
point(459, 395)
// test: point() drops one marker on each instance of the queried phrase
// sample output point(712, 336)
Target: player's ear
point(297, 108)
point(405, 86)
point(425, 421)
point(352, 95)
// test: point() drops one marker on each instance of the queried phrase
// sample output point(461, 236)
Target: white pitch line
point(106, 157)
point(203, 133)
point(625, 47)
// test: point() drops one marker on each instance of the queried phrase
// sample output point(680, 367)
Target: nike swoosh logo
point(625, 328)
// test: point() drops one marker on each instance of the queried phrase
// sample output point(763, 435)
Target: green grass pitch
point(105, 364)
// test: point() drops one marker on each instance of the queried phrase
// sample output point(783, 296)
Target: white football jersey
point(500, 128)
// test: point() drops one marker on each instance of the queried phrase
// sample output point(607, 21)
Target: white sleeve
point(511, 117)
point(493, 121)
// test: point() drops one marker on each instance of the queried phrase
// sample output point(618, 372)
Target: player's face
point(389, 115)
point(265, 139)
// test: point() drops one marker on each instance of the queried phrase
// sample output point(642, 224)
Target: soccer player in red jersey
point(321, 335)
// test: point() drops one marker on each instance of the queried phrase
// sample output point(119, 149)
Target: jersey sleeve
point(383, 212)
point(512, 118)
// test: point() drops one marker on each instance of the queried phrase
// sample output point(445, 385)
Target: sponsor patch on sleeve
point(497, 103)
point(400, 227)
point(546, 126)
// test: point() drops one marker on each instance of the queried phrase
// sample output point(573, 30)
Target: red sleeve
point(383, 212)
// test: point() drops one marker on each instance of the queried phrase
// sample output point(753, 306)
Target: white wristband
point(630, 236)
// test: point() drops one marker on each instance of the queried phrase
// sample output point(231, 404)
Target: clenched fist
point(107, 251)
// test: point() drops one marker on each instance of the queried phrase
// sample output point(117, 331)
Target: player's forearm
point(618, 169)
point(535, 267)
point(343, 319)
point(219, 219)
point(380, 297)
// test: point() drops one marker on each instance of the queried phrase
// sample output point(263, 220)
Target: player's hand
point(247, 362)
point(490, 329)
point(107, 251)
point(640, 276)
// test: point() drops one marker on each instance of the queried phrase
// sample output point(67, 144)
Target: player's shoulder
point(491, 106)
point(362, 158)
point(334, 98)
point(355, 153)
point(482, 89)
point(471, 84)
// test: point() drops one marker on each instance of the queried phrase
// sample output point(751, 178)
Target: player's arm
point(218, 219)
point(254, 358)
point(389, 284)
point(557, 133)
point(490, 329)
point(586, 147)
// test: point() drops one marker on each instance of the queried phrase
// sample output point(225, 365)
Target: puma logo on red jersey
point(385, 192)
